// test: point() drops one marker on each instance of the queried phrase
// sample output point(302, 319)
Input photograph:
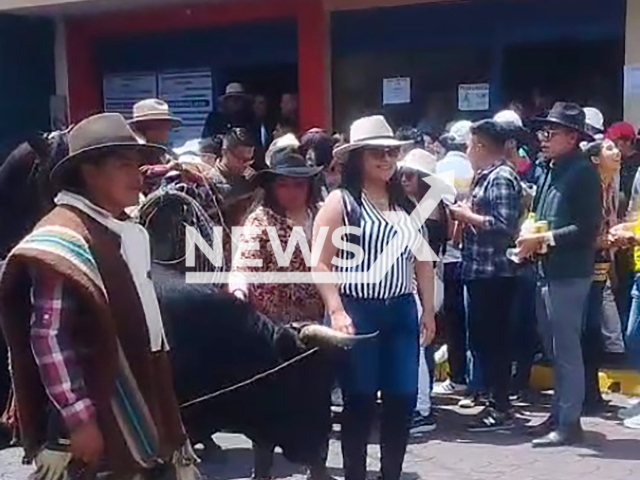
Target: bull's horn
point(320, 335)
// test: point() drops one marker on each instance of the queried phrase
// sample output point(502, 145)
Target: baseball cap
point(460, 132)
point(621, 131)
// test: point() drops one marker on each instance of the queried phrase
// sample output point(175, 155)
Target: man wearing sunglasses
point(568, 201)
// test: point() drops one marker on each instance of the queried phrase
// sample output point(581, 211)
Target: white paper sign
point(631, 80)
point(189, 94)
point(396, 90)
point(122, 90)
point(632, 94)
point(473, 97)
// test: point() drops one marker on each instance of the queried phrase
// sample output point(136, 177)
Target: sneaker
point(423, 423)
point(490, 420)
point(629, 412)
point(472, 401)
point(449, 388)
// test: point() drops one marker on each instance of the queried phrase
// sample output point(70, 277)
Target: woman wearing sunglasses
point(373, 291)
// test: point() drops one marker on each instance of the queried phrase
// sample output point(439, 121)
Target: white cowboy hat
point(153, 109)
point(286, 142)
point(419, 160)
point(234, 89)
point(371, 131)
point(424, 162)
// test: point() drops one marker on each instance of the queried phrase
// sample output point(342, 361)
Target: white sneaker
point(449, 388)
point(629, 412)
point(633, 422)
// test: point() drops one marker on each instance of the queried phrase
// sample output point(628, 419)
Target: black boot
point(561, 436)
point(397, 412)
point(594, 404)
point(262, 460)
point(356, 426)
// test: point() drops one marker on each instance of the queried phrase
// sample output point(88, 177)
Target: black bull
point(218, 341)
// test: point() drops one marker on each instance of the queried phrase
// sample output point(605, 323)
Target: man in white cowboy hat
point(235, 109)
point(80, 316)
point(153, 121)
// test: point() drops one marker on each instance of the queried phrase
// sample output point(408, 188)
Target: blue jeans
point(523, 328)
point(389, 362)
point(476, 381)
point(593, 342)
point(632, 336)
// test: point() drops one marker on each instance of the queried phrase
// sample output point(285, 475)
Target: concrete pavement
point(610, 452)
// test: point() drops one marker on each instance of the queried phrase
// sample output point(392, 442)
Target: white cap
point(288, 141)
point(508, 118)
point(461, 131)
point(594, 117)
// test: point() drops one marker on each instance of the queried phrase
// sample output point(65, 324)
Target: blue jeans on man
point(632, 336)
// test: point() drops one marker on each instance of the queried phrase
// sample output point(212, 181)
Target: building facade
point(345, 58)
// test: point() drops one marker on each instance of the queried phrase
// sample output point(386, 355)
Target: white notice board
point(473, 97)
point(189, 94)
point(396, 90)
point(632, 94)
point(122, 90)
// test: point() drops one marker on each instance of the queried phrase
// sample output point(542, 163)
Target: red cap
point(621, 131)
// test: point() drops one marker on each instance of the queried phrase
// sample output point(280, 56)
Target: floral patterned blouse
point(281, 302)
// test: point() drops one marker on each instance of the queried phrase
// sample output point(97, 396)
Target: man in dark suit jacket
point(234, 111)
point(262, 129)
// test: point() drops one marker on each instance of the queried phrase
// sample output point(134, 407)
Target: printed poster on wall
point(632, 94)
point(122, 90)
point(396, 90)
point(189, 94)
point(473, 97)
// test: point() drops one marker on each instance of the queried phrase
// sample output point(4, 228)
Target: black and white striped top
point(376, 239)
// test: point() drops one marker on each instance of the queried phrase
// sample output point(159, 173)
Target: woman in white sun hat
point(415, 169)
point(364, 299)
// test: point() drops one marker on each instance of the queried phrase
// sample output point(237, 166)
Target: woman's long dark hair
point(352, 182)
point(270, 201)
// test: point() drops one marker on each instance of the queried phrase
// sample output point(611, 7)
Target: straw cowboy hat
point(567, 115)
point(371, 131)
point(419, 160)
point(153, 109)
point(234, 89)
point(103, 133)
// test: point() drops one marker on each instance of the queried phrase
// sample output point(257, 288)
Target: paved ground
point(610, 452)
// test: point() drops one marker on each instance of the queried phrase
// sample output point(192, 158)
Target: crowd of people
point(535, 229)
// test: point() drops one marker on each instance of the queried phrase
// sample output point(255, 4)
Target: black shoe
point(594, 408)
point(542, 429)
point(490, 420)
point(560, 437)
point(423, 423)
point(319, 473)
